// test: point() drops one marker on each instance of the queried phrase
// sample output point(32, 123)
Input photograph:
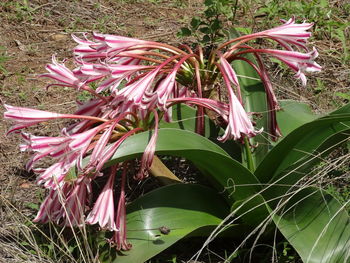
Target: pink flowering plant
point(151, 98)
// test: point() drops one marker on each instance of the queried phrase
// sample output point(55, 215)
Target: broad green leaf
point(317, 226)
point(302, 142)
point(181, 208)
point(291, 159)
point(227, 175)
point(184, 32)
point(292, 115)
point(224, 172)
point(184, 118)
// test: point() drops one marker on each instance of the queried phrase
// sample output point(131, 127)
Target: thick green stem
point(248, 155)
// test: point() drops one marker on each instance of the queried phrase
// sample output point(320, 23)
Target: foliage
point(209, 29)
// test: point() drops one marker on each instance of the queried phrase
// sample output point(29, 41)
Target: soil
point(31, 31)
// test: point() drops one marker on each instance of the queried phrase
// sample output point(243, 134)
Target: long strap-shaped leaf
point(313, 222)
point(317, 226)
point(292, 115)
point(225, 173)
point(184, 118)
point(302, 143)
point(164, 216)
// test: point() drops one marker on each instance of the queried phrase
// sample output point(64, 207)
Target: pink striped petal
point(103, 210)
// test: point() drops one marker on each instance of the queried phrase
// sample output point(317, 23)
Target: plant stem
point(248, 153)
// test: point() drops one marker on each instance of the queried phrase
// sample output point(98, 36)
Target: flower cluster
point(135, 84)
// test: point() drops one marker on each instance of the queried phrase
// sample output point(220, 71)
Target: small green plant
point(23, 10)
point(209, 29)
point(3, 59)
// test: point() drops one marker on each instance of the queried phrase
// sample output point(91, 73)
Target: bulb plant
point(136, 85)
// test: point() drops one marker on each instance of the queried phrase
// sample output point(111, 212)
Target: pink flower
point(119, 238)
point(289, 33)
point(147, 157)
point(65, 205)
point(166, 86)
point(238, 120)
point(118, 74)
point(218, 107)
point(73, 207)
point(68, 152)
point(112, 148)
point(103, 211)
point(298, 62)
point(25, 117)
point(231, 75)
point(119, 43)
point(90, 108)
point(62, 74)
point(50, 209)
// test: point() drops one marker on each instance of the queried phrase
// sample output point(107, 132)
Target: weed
point(209, 29)
point(3, 59)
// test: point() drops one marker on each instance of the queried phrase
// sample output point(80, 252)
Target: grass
point(3, 59)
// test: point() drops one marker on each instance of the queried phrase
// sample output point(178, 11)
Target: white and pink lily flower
point(62, 74)
point(25, 117)
point(103, 210)
point(74, 205)
point(238, 121)
point(50, 209)
point(148, 155)
point(298, 62)
point(289, 33)
point(119, 238)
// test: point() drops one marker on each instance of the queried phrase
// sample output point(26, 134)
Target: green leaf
point(195, 22)
point(292, 115)
point(302, 142)
point(185, 32)
point(317, 226)
point(292, 158)
point(196, 207)
point(231, 178)
point(225, 173)
point(216, 25)
point(206, 39)
point(343, 95)
point(184, 118)
point(205, 30)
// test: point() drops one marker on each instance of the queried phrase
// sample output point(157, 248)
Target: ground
point(31, 31)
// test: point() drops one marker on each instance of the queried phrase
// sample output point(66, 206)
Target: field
point(33, 30)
